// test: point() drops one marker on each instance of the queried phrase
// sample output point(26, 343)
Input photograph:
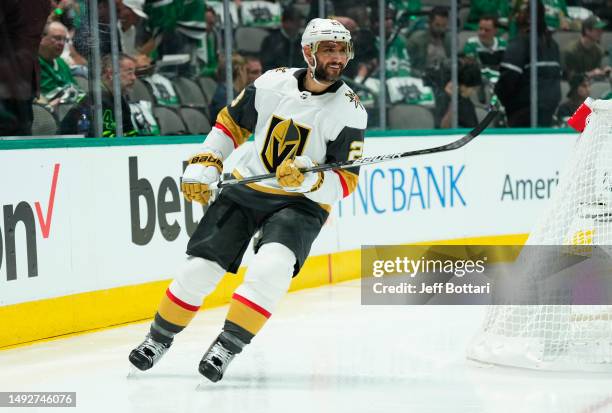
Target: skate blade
point(133, 372)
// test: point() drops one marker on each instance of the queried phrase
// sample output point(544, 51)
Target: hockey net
point(563, 337)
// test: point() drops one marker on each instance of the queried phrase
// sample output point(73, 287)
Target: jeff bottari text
point(435, 288)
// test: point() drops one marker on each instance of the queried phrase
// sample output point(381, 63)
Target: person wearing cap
point(298, 118)
point(131, 14)
point(585, 54)
point(580, 89)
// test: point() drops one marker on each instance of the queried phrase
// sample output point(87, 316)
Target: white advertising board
point(86, 219)
point(495, 185)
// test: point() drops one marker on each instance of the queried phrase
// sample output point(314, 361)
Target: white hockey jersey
point(287, 121)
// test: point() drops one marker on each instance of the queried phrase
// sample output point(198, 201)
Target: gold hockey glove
point(291, 179)
point(203, 169)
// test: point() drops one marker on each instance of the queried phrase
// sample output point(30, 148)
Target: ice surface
point(320, 352)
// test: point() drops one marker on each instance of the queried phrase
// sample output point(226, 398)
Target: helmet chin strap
point(313, 69)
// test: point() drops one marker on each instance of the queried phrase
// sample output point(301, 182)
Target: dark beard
point(322, 76)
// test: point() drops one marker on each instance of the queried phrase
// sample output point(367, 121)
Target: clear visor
point(329, 47)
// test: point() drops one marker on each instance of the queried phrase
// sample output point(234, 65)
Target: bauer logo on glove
point(202, 170)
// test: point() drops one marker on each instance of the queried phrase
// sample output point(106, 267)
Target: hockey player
point(299, 117)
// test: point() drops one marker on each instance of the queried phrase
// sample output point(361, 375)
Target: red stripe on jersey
point(221, 126)
point(252, 305)
point(345, 189)
point(180, 302)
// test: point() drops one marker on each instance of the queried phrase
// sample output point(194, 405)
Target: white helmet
point(321, 30)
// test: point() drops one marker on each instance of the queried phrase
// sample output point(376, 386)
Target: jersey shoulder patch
point(353, 112)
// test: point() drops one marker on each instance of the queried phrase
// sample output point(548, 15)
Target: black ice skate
point(219, 355)
point(148, 353)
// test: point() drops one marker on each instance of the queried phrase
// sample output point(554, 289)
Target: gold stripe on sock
point(171, 311)
point(246, 317)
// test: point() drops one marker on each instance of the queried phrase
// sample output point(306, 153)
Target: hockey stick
point(373, 159)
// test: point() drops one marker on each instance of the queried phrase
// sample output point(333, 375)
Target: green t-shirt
point(398, 60)
point(489, 57)
point(186, 16)
point(54, 77)
point(473, 47)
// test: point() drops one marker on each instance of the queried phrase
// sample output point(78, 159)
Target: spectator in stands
point(174, 27)
point(397, 59)
point(179, 27)
point(514, 86)
point(357, 10)
point(208, 52)
point(365, 60)
point(56, 79)
point(580, 89)
point(239, 74)
point(70, 14)
point(585, 55)
point(432, 46)
point(253, 68)
point(21, 25)
point(282, 48)
point(131, 14)
point(488, 48)
point(82, 113)
point(481, 8)
point(351, 25)
point(469, 78)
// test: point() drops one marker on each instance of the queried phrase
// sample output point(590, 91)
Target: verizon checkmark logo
point(45, 223)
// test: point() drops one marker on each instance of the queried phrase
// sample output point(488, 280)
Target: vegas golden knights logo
point(284, 139)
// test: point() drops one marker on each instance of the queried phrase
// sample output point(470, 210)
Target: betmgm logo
point(285, 139)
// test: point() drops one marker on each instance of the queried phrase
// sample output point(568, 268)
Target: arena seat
point(170, 123)
point(410, 117)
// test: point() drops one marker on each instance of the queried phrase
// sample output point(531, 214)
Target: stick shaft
point(372, 159)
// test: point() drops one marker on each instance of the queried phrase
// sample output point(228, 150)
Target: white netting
point(563, 337)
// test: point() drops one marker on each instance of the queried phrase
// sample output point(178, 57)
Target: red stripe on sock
point(345, 189)
point(227, 132)
point(180, 302)
point(252, 305)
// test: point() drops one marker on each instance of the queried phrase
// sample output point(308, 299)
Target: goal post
point(562, 337)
